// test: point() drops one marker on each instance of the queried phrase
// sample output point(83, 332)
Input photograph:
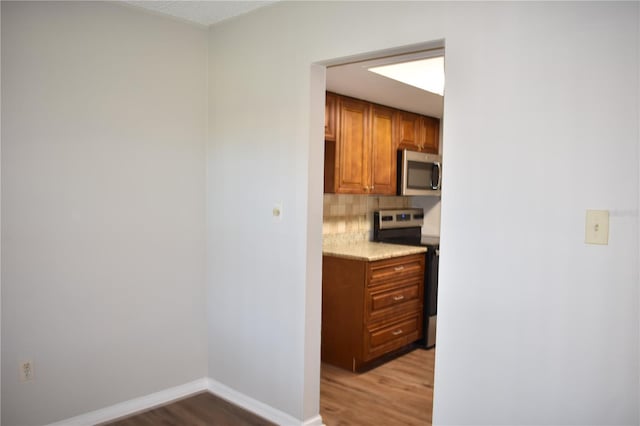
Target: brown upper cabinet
point(330, 117)
point(383, 151)
point(353, 147)
point(362, 159)
point(418, 132)
point(361, 143)
point(431, 141)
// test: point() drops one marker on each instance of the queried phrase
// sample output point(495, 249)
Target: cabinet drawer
point(392, 335)
point(394, 300)
point(396, 268)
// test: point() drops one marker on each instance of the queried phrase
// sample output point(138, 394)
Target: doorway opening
point(396, 376)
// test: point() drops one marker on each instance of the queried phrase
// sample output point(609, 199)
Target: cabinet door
point(383, 151)
point(409, 131)
point(330, 116)
point(353, 147)
point(431, 132)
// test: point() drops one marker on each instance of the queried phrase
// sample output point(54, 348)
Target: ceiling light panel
point(426, 74)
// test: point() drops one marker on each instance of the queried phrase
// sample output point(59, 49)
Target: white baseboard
point(314, 421)
point(135, 405)
point(259, 408)
point(147, 402)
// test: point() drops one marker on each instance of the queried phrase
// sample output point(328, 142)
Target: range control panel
point(405, 218)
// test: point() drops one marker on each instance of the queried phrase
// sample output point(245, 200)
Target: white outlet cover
point(597, 227)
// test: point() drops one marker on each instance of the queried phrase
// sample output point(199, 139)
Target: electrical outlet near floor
point(26, 371)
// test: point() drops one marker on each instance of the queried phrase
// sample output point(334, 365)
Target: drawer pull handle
point(397, 332)
point(398, 268)
point(398, 298)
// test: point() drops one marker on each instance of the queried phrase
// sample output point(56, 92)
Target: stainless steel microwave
point(419, 173)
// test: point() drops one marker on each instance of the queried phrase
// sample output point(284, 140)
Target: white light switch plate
point(597, 227)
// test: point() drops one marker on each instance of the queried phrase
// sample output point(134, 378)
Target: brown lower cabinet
point(370, 308)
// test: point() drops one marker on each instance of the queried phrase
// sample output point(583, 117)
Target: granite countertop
point(370, 251)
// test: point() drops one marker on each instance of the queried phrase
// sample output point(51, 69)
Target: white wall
point(103, 225)
point(103, 206)
point(552, 323)
point(0, 218)
point(535, 327)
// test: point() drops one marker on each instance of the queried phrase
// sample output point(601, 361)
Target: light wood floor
point(399, 392)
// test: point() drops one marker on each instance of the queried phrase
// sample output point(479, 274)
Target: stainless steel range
point(405, 227)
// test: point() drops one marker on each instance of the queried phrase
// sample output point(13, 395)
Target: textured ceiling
point(202, 12)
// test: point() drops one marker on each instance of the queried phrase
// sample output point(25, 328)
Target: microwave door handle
point(435, 184)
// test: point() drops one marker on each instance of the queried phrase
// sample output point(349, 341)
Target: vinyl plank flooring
point(203, 409)
point(399, 392)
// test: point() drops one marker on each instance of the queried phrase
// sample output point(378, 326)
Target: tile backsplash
point(349, 218)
